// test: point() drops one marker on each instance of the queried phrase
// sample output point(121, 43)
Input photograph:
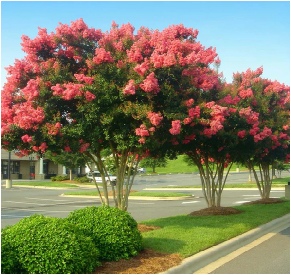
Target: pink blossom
point(102, 56)
point(152, 129)
point(72, 90)
point(84, 147)
point(194, 112)
point(241, 134)
point(187, 120)
point(26, 138)
point(129, 88)
point(27, 117)
point(246, 93)
point(142, 68)
point(285, 127)
point(142, 131)
point(67, 149)
point(176, 127)
point(155, 118)
point(150, 84)
point(283, 136)
point(257, 138)
point(266, 132)
point(53, 129)
point(189, 102)
point(89, 96)
point(43, 147)
point(215, 126)
point(142, 140)
point(31, 91)
point(83, 78)
point(208, 132)
point(57, 90)
point(251, 116)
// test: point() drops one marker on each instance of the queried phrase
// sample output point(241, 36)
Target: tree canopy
point(138, 93)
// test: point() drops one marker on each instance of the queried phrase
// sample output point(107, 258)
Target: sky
point(246, 34)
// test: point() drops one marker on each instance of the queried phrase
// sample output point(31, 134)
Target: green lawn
point(180, 166)
point(187, 235)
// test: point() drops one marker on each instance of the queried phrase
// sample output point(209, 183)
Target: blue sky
point(246, 34)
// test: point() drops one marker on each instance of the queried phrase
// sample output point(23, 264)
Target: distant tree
point(154, 162)
point(69, 160)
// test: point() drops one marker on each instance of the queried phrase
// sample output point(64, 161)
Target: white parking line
point(34, 210)
point(184, 202)
point(238, 202)
point(43, 199)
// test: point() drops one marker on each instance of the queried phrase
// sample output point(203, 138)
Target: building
point(32, 167)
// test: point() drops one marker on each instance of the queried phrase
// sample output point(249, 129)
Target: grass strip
point(281, 182)
point(188, 235)
point(45, 184)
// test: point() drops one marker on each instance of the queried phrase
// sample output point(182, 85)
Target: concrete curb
point(136, 197)
point(204, 258)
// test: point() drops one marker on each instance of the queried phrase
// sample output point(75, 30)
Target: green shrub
point(81, 179)
point(114, 231)
point(60, 178)
point(46, 245)
point(10, 263)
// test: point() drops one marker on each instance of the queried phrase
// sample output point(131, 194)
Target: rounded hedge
point(46, 245)
point(113, 231)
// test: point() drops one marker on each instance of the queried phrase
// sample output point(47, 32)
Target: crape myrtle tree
point(81, 90)
point(208, 138)
point(264, 119)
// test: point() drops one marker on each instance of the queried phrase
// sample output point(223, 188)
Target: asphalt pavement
point(264, 250)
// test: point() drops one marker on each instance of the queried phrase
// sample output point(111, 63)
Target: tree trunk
point(263, 180)
point(212, 179)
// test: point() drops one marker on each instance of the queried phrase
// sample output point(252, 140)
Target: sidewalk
point(194, 263)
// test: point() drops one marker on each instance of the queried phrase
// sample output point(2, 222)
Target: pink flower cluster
point(31, 90)
point(251, 116)
point(155, 118)
point(218, 116)
point(83, 78)
point(142, 68)
point(176, 127)
point(267, 132)
point(28, 117)
point(102, 56)
point(53, 129)
point(70, 91)
point(41, 148)
point(26, 139)
point(78, 28)
point(246, 93)
point(143, 132)
point(150, 84)
point(129, 88)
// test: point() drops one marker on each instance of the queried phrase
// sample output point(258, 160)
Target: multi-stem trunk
point(126, 167)
point(212, 179)
point(263, 178)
